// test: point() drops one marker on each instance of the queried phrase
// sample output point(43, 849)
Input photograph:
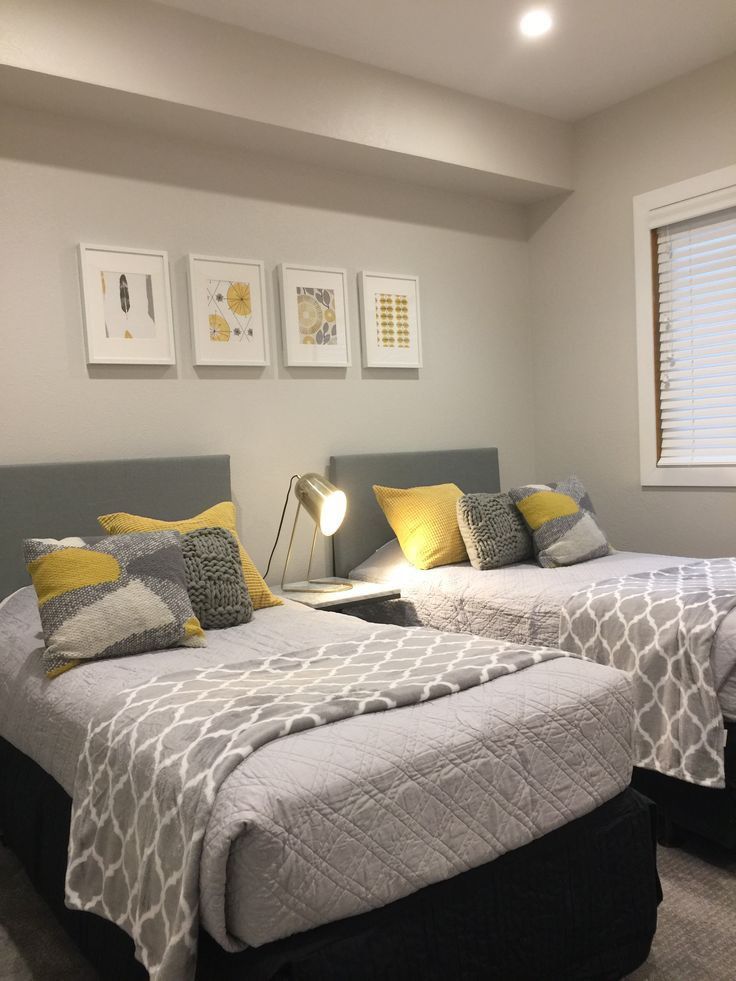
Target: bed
point(488, 833)
point(522, 602)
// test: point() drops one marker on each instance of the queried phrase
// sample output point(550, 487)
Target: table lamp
point(326, 505)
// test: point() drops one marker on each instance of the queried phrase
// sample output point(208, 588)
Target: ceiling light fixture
point(535, 22)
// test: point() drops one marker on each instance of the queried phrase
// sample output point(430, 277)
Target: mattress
point(521, 602)
point(332, 822)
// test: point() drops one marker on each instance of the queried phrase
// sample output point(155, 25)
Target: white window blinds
point(695, 316)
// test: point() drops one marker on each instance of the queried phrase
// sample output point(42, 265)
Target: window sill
point(688, 477)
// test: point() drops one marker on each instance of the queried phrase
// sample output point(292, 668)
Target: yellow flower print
point(238, 299)
point(219, 328)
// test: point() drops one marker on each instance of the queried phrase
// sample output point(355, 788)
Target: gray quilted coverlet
point(156, 757)
point(522, 602)
point(339, 819)
point(659, 627)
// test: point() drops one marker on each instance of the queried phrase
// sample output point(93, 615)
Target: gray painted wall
point(583, 315)
point(563, 399)
point(63, 181)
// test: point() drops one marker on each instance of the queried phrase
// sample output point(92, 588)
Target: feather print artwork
point(124, 294)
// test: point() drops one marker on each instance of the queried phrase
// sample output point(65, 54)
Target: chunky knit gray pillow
point(493, 530)
point(215, 583)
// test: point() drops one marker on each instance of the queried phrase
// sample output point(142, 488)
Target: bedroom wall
point(583, 315)
point(63, 181)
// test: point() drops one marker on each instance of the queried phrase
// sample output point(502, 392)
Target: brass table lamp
point(326, 505)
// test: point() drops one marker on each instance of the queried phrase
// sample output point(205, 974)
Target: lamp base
point(318, 586)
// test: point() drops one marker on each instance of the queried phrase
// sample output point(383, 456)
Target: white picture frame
point(391, 333)
point(126, 304)
point(314, 316)
point(228, 311)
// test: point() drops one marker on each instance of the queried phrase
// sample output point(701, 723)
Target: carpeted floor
point(696, 933)
point(696, 939)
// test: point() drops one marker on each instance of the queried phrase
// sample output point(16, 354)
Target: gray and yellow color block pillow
point(562, 522)
point(111, 596)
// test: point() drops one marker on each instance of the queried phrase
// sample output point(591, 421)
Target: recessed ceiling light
point(535, 22)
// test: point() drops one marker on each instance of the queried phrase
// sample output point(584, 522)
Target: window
point(686, 323)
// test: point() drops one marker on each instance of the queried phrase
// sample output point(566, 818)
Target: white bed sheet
point(522, 602)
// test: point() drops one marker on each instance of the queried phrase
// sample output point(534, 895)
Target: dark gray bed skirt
point(579, 904)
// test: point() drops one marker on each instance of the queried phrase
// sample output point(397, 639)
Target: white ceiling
point(599, 52)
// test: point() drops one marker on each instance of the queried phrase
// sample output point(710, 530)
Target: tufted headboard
point(365, 528)
point(58, 500)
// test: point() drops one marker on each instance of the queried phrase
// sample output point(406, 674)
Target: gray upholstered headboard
point(365, 528)
point(57, 500)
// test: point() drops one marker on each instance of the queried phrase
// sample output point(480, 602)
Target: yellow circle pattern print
point(392, 320)
point(316, 315)
point(310, 315)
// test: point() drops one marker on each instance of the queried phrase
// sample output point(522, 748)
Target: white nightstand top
point(360, 592)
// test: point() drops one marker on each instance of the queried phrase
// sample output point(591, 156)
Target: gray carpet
point(696, 934)
point(696, 939)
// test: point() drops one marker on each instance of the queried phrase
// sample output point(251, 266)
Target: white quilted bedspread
point(337, 820)
point(520, 603)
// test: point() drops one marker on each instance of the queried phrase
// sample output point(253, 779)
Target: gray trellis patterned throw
point(659, 627)
point(156, 756)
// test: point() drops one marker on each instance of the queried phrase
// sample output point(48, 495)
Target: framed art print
point(391, 329)
point(228, 310)
point(126, 298)
point(314, 316)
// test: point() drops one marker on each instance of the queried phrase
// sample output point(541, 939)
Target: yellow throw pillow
point(425, 522)
point(220, 516)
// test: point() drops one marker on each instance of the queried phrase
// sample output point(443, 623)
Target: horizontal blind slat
point(696, 264)
point(715, 281)
point(687, 329)
point(696, 340)
point(723, 301)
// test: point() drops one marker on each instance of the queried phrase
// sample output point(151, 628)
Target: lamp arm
point(291, 543)
point(311, 554)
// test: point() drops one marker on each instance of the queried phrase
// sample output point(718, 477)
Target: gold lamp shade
point(322, 501)
point(326, 505)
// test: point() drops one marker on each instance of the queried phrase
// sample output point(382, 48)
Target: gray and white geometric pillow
point(562, 522)
point(493, 530)
point(110, 596)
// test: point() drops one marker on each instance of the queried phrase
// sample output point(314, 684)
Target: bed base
point(684, 806)
point(579, 904)
point(681, 806)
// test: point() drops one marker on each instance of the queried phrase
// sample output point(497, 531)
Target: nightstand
point(360, 593)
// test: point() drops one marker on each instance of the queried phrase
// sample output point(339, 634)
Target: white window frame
point(677, 202)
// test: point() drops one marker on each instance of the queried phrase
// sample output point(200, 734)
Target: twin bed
point(489, 832)
point(522, 603)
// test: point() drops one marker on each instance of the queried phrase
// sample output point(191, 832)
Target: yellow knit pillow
point(425, 522)
point(220, 516)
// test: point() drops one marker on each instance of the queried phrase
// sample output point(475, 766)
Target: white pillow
point(388, 564)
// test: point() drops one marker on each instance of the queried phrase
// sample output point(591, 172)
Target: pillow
point(424, 520)
point(220, 516)
point(215, 581)
point(562, 522)
point(109, 597)
point(388, 564)
point(493, 530)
